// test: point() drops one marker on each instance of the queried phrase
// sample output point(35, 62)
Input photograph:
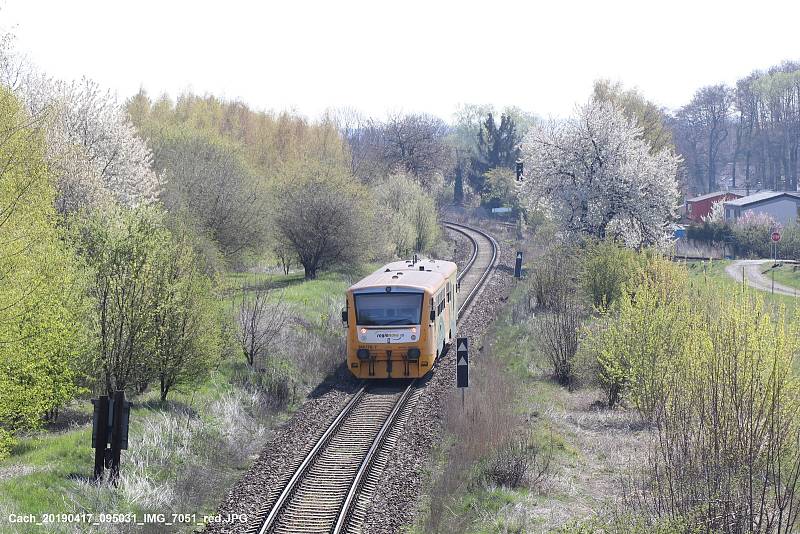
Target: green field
point(713, 273)
point(787, 274)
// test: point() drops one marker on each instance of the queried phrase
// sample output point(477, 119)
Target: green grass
point(787, 274)
point(308, 297)
point(713, 273)
point(54, 461)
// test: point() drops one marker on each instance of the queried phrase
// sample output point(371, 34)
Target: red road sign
point(776, 236)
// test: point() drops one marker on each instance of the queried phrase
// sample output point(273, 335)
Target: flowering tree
point(716, 215)
point(91, 145)
point(596, 176)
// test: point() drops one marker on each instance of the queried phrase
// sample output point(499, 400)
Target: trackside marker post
point(110, 426)
point(518, 266)
point(462, 366)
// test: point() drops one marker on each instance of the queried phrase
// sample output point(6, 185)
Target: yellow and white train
point(400, 318)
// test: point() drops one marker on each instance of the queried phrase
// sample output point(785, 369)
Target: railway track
point(331, 489)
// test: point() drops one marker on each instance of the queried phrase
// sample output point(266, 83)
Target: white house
point(783, 206)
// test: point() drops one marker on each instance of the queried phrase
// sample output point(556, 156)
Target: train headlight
point(413, 354)
point(363, 330)
point(363, 354)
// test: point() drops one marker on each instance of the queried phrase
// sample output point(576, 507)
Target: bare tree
point(416, 144)
point(707, 117)
point(260, 319)
point(324, 215)
point(558, 333)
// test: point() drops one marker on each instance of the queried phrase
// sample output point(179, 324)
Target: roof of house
point(409, 274)
point(762, 197)
point(712, 195)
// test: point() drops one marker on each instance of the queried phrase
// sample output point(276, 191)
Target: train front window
point(388, 309)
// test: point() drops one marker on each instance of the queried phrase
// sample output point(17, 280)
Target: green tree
point(647, 116)
point(121, 246)
point(498, 146)
point(323, 214)
point(210, 181)
point(458, 184)
point(42, 330)
point(407, 214)
point(186, 314)
point(500, 189)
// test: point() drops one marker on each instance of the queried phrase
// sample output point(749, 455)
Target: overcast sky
point(405, 55)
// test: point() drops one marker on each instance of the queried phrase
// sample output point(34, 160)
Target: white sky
point(405, 55)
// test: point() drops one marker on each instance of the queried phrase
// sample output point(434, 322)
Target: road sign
point(518, 266)
point(462, 362)
point(776, 236)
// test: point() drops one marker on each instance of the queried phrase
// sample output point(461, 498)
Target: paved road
point(754, 278)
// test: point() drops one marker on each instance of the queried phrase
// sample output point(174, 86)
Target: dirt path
point(754, 278)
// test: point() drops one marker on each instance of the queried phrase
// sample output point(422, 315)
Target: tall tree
point(707, 120)
point(42, 313)
point(497, 146)
point(121, 246)
point(186, 319)
point(323, 215)
point(597, 176)
point(647, 116)
point(92, 146)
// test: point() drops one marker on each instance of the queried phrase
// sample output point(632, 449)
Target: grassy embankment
point(184, 454)
point(576, 451)
point(592, 451)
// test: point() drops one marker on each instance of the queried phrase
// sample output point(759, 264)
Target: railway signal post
point(518, 266)
point(462, 366)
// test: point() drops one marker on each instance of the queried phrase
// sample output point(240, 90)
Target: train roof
point(424, 274)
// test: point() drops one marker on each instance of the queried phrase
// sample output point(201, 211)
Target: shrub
point(752, 232)
point(515, 461)
point(728, 433)
point(642, 338)
point(552, 279)
point(713, 373)
point(557, 333)
point(42, 309)
point(607, 270)
point(260, 319)
point(630, 523)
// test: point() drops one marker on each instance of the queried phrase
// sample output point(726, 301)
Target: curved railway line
point(331, 489)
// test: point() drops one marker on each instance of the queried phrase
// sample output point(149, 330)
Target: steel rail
point(464, 230)
point(363, 470)
point(341, 520)
point(344, 514)
point(292, 484)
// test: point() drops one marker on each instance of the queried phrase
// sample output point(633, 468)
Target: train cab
point(401, 318)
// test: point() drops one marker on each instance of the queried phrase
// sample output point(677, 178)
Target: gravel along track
point(401, 484)
point(391, 478)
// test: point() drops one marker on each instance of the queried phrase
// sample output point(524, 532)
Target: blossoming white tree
point(92, 147)
point(595, 175)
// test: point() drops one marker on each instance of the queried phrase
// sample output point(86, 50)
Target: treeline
point(746, 136)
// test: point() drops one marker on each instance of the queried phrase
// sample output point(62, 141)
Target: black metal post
point(116, 434)
point(518, 266)
point(101, 437)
